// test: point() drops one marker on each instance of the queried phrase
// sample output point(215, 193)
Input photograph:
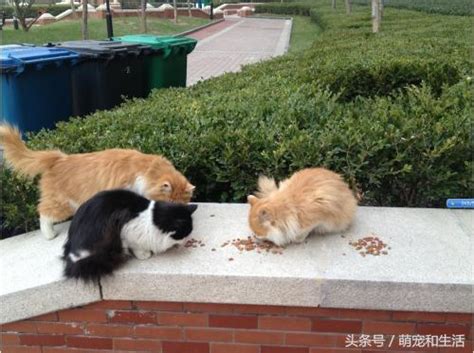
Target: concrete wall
point(151, 13)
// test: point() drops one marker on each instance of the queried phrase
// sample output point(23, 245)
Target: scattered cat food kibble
point(251, 244)
point(243, 245)
point(370, 245)
point(193, 243)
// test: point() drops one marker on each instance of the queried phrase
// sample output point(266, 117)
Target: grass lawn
point(71, 30)
point(303, 32)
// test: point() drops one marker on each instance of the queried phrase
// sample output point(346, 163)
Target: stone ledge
point(429, 267)
point(31, 280)
point(192, 30)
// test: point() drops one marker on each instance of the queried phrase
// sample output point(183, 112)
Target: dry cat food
point(370, 245)
point(193, 243)
point(251, 244)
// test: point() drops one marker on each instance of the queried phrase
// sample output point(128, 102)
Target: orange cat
point(69, 180)
point(314, 199)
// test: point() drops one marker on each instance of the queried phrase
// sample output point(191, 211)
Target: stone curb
point(185, 33)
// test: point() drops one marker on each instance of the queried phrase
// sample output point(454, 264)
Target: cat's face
point(260, 217)
point(174, 218)
point(172, 188)
point(264, 221)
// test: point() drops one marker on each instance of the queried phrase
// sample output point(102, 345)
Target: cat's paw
point(142, 255)
point(50, 235)
point(300, 238)
point(46, 226)
point(49, 232)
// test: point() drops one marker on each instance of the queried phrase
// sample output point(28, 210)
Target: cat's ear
point(192, 208)
point(190, 189)
point(166, 187)
point(251, 200)
point(264, 215)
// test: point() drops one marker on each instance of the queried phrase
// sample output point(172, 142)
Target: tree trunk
point(348, 7)
point(23, 24)
point(175, 12)
point(73, 9)
point(143, 16)
point(375, 16)
point(85, 27)
point(381, 8)
point(20, 13)
point(189, 9)
point(334, 4)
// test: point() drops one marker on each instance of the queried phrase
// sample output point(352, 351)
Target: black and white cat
point(116, 223)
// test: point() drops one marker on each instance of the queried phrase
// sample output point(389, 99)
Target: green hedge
point(391, 112)
point(446, 7)
point(284, 8)
point(35, 9)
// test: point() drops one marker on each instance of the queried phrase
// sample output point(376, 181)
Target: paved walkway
point(227, 46)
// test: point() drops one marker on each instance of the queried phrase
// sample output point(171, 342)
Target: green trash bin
point(168, 65)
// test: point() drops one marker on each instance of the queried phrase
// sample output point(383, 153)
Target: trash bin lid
point(153, 41)
point(103, 48)
point(188, 43)
point(15, 46)
point(16, 58)
point(166, 42)
point(10, 46)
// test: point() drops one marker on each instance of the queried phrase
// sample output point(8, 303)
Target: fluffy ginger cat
point(67, 181)
point(311, 200)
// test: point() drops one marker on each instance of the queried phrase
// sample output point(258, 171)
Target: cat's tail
point(105, 256)
point(266, 186)
point(22, 159)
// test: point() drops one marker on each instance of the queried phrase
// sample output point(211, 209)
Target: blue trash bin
point(36, 87)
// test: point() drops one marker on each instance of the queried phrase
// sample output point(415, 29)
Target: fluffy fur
point(69, 180)
point(314, 199)
point(116, 223)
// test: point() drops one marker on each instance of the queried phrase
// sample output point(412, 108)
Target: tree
point(348, 7)
point(334, 4)
point(175, 12)
point(143, 16)
point(376, 16)
point(22, 8)
point(73, 9)
point(85, 27)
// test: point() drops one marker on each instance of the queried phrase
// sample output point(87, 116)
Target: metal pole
point(211, 14)
point(15, 23)
point(108, 19)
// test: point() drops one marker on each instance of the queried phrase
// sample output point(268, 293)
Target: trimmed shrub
point(446, 7)
point(301, 9)
point(35, 9)
point(18, 211)
point(407, 150)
